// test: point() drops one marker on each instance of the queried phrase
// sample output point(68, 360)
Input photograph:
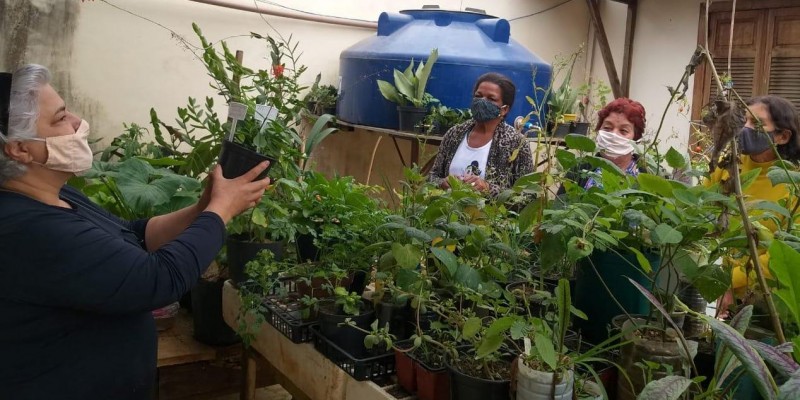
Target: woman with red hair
point(620, 123)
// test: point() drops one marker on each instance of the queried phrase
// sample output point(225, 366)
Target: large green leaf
point(489, 345)
point(778, 176)
point(749, 177)
point(675, 159)
point(403, 85)
point(447, 258)
point(425, 73)
point(580, 142)
point(784, 262)
point(407, 256)
point(527, 216)
point(390, 93)
point(471, 328)
point(655, 184)
point(665, 234)
point(546, 351)
point(667, 388)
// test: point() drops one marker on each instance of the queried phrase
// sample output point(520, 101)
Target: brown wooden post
point(239, 58)
point(627, 56)
point(605, 49)
point(249, 369)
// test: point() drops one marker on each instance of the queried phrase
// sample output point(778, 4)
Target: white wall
point(666, 37)
point(122, 64)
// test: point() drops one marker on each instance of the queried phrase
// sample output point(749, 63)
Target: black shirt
point(76, 290)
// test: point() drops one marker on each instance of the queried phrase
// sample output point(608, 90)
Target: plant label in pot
point(236, 160)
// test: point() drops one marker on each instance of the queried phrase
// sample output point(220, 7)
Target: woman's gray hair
point(23, 111)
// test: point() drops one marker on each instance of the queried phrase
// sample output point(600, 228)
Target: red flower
point(277, 70)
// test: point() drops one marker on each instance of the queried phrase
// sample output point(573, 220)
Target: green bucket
point(594, 300)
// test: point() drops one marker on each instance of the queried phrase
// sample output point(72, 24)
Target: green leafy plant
point(350, 303)
point(321, 97)
point(409, 85)
point(441, 118)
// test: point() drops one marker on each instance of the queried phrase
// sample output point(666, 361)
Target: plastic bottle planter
point(640, 349)
point(538, 385)
point(410, 117)
point(236, 160)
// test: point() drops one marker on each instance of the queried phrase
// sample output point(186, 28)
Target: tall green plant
point(409, 85)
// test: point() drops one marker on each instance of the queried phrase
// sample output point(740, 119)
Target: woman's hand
point(476, 182)
point(230, 197)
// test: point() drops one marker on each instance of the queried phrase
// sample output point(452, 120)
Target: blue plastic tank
point(470, 44)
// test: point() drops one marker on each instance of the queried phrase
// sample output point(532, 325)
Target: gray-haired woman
point(76, 283)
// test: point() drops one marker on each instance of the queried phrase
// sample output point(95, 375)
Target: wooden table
point(304, 372)
point(414, 138)
point(177, 346)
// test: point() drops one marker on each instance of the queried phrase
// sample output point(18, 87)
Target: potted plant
point(562, 101)
point(346, 307)
point(408, 92)
point(441, 118)
point(321, 99)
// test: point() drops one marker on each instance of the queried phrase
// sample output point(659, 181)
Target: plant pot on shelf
point(410, 117)
point(563, 129)
point(236, 160)
point(641, 348)
point(397, 316)
point(591, 297)
point(539, 385)
point(209, 326)
point(535, 303)
point(466, 387)
point(432, 383)
point(404, 368)
point(356, 281)
point(241, 251)
point(347, 338)
point(329, 109)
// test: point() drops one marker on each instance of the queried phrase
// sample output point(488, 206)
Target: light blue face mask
point(484, 110)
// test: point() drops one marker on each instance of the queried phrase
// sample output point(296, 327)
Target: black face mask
point(484, 110)
point(752, 142)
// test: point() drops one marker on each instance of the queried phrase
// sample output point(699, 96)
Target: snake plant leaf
point(425, 73)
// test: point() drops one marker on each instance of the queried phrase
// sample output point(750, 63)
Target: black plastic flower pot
point(578, 128)
point(347, 338)
point(209, 326)
point(236, 160)
point(410, 117)
point(240, 252)
point(306, 249)
point(397, 316)
point(465, 387)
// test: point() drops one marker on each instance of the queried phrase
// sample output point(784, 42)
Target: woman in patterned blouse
point(481, 152)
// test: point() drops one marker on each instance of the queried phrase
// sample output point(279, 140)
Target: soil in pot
point(209, 326)
point(647, 345)
point(347, 338)
point(240, 252)
point(465, 384)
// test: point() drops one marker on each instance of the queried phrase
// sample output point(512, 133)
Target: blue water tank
point(470, 44)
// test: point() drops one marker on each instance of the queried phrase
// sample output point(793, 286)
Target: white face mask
point(614, 145)
point(69, 153)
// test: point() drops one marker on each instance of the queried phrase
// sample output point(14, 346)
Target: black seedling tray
point(372, 367)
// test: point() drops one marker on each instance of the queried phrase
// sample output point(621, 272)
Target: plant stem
point(752, 239)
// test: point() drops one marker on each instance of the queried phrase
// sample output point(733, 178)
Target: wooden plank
point(605, 48)
point(177, 346)
point(627, 56)
point(316, 377)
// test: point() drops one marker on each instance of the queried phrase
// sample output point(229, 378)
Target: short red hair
point(631, 109)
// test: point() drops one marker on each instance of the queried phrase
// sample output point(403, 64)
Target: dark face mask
point(752, 142)
point(484, 110)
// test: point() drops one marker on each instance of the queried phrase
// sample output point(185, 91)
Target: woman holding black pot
point(480, 152)
point(76, 283)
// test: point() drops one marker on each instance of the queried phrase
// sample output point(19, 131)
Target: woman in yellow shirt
point(781, 123)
